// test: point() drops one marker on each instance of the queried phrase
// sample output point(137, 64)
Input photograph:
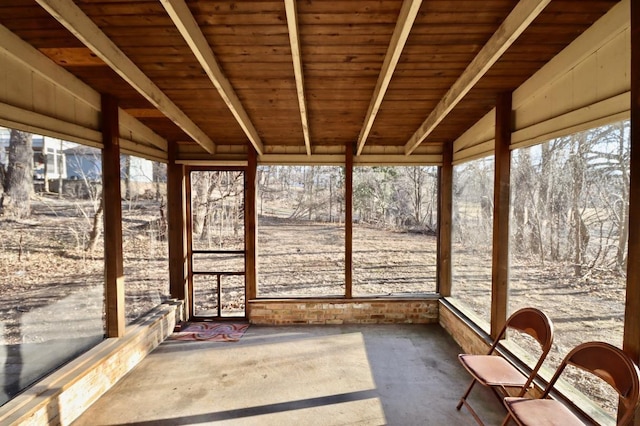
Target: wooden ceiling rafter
point(78, 23)
point(406, 18)
point(343, 48)
point(294, 39)
point(183, 19)
point(511, 28)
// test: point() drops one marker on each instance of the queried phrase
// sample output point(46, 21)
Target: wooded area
point(569, 219)
point(402, 198)
point(61, 217)
point(569, 201)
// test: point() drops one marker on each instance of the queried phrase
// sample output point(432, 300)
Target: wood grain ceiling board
point(343, 47)
point(251, 43)
point(163, 55)
point(33, 24)
point(433, 59)
point(343, 44)
point(526, 56)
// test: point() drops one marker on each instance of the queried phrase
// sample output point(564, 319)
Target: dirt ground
point(582, 309)
point(300, 258)
point(43, 260)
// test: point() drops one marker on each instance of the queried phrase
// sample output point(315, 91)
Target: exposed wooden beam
point(18, 118)
point(139, 150)
point(190, 30)
point(72, 17)
point(294, 40)
point(518, 20)
point(365, 159)
point(135, 126)
point(144, 113)
point(405, 21)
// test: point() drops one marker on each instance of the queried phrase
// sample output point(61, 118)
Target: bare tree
point(18, 180)
point(579, 234)
point(610, 165)
point(216, 204)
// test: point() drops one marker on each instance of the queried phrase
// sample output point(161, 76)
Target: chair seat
point(492, 370)
point(541, 412)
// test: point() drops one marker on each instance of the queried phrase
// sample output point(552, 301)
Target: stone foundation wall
point(343, 311)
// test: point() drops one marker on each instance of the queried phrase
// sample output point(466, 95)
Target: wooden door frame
point(249, 252)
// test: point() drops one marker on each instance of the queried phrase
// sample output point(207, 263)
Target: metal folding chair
point(493, 371)
point(601, 359)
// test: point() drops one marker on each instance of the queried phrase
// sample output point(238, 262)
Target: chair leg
point(466, 394)
point(505, 422)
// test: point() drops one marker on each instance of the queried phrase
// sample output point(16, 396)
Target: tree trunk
point(418, 180)
point(578, 231)
point(127, 177)
point(310, 178)
point(521, 181)
point(18, 182)
point(330, 197)
point(623, 228)
point(96, 228)
point(155, 167)
point(60, 158)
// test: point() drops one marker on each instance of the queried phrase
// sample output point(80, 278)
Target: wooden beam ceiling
point(515, 24)
point(294, 39)
point(401, 32)
point(192, 34)
point(71, 17)
point(365, 73)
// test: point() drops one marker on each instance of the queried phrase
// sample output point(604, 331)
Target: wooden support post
point(177, 219)
point(631, 340)
point(500, 265)
point(113, 262)
point(348, 223)
point(190, 308)
point(445, 198)
point(251, 232)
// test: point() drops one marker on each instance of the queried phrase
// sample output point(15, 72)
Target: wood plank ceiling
point(302, 77)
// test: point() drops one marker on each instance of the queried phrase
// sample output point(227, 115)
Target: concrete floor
point(300, 375)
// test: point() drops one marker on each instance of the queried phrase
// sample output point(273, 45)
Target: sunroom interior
point(313, 162)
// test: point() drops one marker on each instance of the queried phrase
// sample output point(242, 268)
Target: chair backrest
point(613, 366)
point(536, 324)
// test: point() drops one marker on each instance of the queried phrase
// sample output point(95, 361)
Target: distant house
point(84, 162)
point(54, 159)
point(48, 156)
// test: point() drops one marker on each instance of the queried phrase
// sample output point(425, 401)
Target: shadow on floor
point(299, 375)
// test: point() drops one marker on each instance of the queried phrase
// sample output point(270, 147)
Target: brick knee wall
point(342, 311)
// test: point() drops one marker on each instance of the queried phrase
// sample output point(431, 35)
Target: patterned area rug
point(211, 332)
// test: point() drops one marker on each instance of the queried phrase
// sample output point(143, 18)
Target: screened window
point(568, 244)
point(51, 273)
point(472, 231)
point(144, 235)
point(394, 230)
point(301, 231)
